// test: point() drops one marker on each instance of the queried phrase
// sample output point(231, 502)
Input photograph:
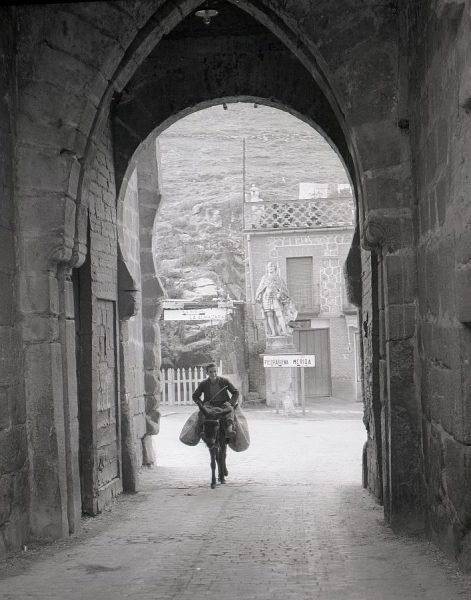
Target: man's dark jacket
point(222, 396)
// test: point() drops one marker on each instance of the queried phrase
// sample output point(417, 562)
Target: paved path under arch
point(292, 523)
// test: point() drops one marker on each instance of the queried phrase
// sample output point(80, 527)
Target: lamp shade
point(207, 14)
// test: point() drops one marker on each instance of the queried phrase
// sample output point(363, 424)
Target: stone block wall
point(373, 477)
point(331, 286)
point(150, 196)
point(342, 347)
point(440, 93)
point(131, 334)
point(14, 485)
point(102, 217)
point(99, 399)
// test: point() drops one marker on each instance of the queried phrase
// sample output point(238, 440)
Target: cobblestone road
point(292, 523)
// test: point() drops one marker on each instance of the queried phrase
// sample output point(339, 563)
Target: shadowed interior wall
point(14, 486)
point(99, 411)
point(369, 324)
point(440, 89)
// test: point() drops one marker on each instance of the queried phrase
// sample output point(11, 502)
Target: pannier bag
point(190, 434)
point(241, 441)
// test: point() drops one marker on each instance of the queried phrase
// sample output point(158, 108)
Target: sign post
point(303, 392)
point(288, 361)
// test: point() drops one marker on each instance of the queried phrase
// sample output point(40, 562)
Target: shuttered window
point(300, 282)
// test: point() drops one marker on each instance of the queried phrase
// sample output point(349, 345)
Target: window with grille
point(301, 284)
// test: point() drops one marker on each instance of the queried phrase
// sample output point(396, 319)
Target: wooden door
point(98, 394)
point(317, 379)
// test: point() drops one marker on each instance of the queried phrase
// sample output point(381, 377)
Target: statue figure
point(278, 308)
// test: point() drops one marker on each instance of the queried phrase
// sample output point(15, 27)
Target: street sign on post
point(299, 361)
point(303, 392)
point(289, 360)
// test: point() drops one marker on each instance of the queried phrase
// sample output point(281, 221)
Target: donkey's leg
point(221, 467)
point(226, 472)
point(224, 454)
point(222, 459)
point(213, 455)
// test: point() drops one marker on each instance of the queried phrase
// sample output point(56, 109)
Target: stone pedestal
point(281, 382)
point(281, 344)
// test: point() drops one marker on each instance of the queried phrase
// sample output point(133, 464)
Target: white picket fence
point(178, 385)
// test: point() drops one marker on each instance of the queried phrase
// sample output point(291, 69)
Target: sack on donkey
point(241, 440)
point(190, 434)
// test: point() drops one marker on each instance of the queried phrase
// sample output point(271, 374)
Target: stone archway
point(138, 204)
point(67, 133)
point(159, 92)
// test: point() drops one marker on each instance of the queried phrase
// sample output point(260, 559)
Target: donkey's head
point(210, 432)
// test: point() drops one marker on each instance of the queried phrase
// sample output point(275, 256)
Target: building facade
point(309, 239)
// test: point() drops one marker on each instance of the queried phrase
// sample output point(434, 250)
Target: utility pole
point(243, 184)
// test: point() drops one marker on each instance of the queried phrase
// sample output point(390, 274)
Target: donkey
point(214, 436)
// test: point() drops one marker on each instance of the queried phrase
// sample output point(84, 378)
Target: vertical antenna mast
point(243, 183)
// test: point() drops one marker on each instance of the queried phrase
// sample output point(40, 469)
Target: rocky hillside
point(199, 228)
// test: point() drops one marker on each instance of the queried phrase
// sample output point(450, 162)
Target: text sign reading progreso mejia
point(289, 360)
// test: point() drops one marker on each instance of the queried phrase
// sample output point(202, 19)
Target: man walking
point(215, 391)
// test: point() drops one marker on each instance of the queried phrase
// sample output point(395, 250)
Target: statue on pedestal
point(278, 308)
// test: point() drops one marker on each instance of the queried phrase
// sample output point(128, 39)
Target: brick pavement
point(292, 523)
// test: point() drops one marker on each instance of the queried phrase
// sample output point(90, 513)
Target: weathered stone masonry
point(85, 89)
point(440, 117)
point(14, 488)
point(99, 414)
